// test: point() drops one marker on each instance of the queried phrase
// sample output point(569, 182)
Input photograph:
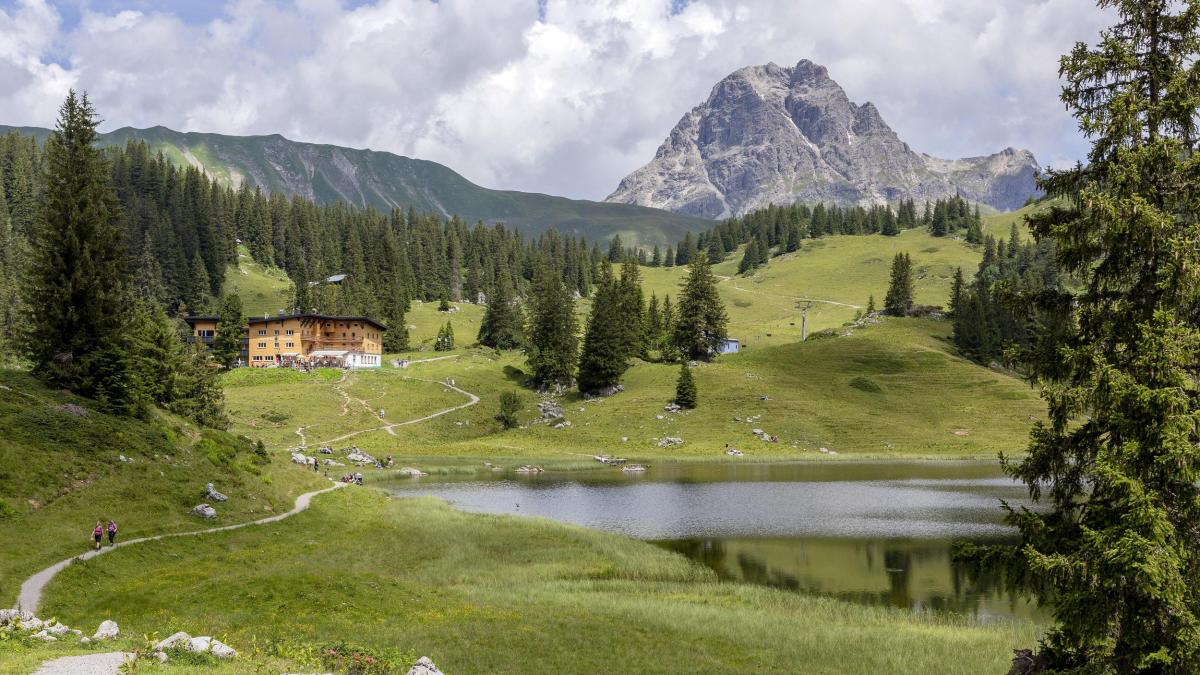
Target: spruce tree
point(899, 298)
point(510, 406)
point(632, 317)
point(870, 305)
point(604, 356)
point(502, 321)
point(553, 342)
point(227, 346)
point(77, 292)
point(669, 259)
point(685, 388)
point(700, 322)
point(444, 341)
point(1115, 471)
point(956, 291)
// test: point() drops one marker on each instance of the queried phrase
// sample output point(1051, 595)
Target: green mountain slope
point(330, 173)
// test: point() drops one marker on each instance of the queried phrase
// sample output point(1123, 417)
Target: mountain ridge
point(383, 180)
point(768, 134)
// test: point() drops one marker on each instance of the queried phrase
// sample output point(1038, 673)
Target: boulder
point(410, 471)
point(204, 511)
point(32, 623)
point(108, 630)
point(57, 628)
point(222, 651)
point(674, 408)
point(176, 640)
point(565, 424)
point(161, 656)
point(424, 666)
point(200, 644)
point(359, 457)
point(550, 410)
point(211, 493)
point(85, 640)
point(670, 442)
point(8, 616)
point(44, 636)
point(301, 458)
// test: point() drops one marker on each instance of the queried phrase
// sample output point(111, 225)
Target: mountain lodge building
point(310, 340)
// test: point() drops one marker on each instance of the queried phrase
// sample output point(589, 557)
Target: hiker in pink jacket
point(112, 532)
point(97, 533)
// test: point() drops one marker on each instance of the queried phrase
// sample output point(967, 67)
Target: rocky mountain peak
point(769, 134)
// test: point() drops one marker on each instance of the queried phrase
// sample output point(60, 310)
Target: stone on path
point(424, 666)
point(89, 664)
point(108, 629)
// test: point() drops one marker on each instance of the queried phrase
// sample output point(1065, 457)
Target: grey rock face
point(769, 134)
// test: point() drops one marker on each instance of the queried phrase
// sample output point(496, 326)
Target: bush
point(7, 511)
point(510, 405)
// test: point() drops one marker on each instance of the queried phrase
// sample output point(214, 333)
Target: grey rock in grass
point(44, 636)
point(173, 641)
point(31, 623)
point(8, 616)
point(222, 651)
point(57, 629)
point(108, 630)
point(211, 493)
point(550, 410)
point(204, 511)
point(424, 666)
point(199, 645)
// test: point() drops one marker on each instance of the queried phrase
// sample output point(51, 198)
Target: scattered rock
point(57, 628)
point(565, 424)
point(550, 410)
point(161, 656)
point(358, 456)
point(85, 640)
point(734, 452)
point(764, 436)
point(31, 623)
point(175, 640)
point(330, 462)
point(72, 409)
point(108, 630)
point(44, 636)
point(764, 397)
point(300, 458)
point(211, 493)
point(670, 442)
point(610, 390)
point(674, 408)
point(410, 471)
point(961, 432)
point(124, 460)
point(424, 666)
point(659, 417)
point(624, 439)
point(528, 468)
point(199, 645)
point(326, 450)
point(204, 511)
point(8, 616)
point(825, 450)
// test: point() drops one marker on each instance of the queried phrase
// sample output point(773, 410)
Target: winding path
point(389, 427)
point(31, 590)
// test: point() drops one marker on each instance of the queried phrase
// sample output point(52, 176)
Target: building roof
point(319, 317)
point(191, 320)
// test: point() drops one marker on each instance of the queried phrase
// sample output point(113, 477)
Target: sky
point(564, 97)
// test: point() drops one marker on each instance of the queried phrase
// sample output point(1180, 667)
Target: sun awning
point(323, 353)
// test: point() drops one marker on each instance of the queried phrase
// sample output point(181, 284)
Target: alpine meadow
point(396, 337)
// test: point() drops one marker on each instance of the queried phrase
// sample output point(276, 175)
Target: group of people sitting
point(355, 478)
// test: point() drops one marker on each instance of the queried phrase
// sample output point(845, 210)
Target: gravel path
point(389, 427)
point(31, 591)
point(89, 664)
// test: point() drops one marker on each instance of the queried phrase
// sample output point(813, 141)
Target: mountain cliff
point(329, 173)
point(769, 134)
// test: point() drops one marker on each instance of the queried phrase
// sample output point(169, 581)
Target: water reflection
point(872, 532)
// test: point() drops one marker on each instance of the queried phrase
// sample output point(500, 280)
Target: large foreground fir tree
point(701, 323)
point(553, 343)
point(76, 289)
point(1115, 542)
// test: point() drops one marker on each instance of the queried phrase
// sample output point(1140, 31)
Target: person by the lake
point(97, 533)
point(112, 532)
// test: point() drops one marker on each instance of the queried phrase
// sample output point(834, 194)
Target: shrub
point(7, 511)
point(685, 388)
point(510, 405)
point(867, 385)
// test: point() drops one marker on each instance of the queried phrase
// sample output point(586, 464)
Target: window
point(353, 335)
point(262, 331)
point(289, 332)
point(290, 344)
point(277, 331)
point(262, 345)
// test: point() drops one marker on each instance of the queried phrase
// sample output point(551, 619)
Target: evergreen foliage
point(1114, 544)
point(502, 326)
point(553, 339)
point(510, 406)
point(444, 341)
point(700, 322)
point(77, 288)
point(899, 298)
point(606, 348)
point(685, 388)
point(231, 327)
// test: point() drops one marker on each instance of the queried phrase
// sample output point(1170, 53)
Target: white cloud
point(567, 104)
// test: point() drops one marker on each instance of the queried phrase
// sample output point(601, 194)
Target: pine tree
point(700, 322)
point(616, 252)
point(76, 291)
point(656, 257)
point(653, 325)
point(899, 298)
point(553, 339)
point(669, 259)
point(685, 388)
point(632, 317)
point(956, 292)
point(502, 321)
point(1115, 472)
point(510, 406)
point(227, 345)
point(604, 356)
point(870, 305)
point(444, 341)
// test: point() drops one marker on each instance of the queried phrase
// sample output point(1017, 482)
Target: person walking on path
point(112, 532)
point(97, 533)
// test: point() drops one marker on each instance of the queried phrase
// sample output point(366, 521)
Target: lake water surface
point(871, 532)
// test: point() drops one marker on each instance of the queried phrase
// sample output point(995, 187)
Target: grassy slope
point(263, 290)
point(501, 594)
point(60, 473)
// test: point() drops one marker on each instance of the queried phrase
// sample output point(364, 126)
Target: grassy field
point(894, 389)
point(499, 594)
